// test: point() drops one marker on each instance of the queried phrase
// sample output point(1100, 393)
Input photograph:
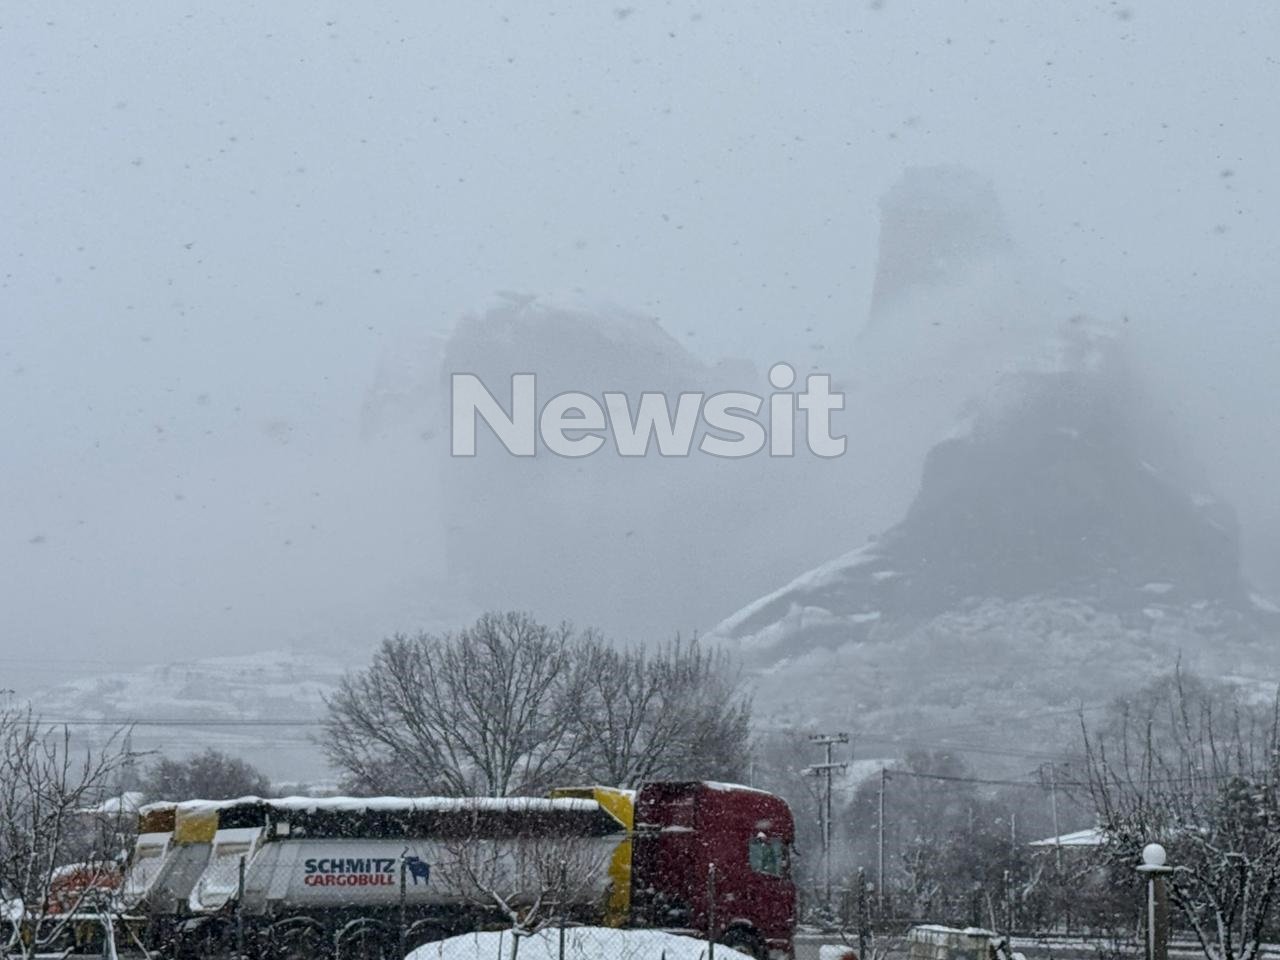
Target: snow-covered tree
point(57, 845)
point(1196, 767)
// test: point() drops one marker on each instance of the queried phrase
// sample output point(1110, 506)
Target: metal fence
point(861, 913)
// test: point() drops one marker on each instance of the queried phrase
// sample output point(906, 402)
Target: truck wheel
point(744, 941)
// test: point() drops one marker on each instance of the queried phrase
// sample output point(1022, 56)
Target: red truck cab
point(715, 857)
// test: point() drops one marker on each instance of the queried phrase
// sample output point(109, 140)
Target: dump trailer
point(308, 877)
point(240, 829)
point(364, 877)
point(166, 886)
point(178, 868)
point(150, 849)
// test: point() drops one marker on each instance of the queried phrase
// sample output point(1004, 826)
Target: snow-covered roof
point(1092, 837)
point(128, 802)
point(942, 928)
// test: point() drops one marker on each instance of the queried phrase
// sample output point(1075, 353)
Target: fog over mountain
point(652, 545)
point(643, 547)
point(1012, 511)
point(243, 252)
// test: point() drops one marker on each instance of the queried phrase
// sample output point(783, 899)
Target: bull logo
point(419, 869)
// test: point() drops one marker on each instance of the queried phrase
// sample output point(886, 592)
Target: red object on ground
point(74, 885)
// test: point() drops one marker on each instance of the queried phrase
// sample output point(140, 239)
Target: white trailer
point(428, 851)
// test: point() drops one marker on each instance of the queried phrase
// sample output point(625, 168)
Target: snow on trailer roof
point(434, 804)
point(194, 806)
point(385, 804)
point(733, 787)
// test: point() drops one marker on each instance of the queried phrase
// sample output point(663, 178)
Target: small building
point(1091, 837)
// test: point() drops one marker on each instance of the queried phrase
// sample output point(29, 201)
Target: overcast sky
point(218, 220)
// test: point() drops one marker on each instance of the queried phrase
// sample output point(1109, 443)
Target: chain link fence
point(1103, 906)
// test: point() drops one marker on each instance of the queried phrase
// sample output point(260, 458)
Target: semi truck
point(715, 857)
point(358, 877)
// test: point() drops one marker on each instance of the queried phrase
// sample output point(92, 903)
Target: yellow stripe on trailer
point(622, 805)
point(195, 825)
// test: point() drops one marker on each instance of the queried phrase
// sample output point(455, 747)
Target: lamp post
point(1154, 868)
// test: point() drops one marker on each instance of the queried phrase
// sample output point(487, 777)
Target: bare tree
point(494, 710)
point(48, 789)
point(510, 706)
point(1195, 767)
point(678, 712)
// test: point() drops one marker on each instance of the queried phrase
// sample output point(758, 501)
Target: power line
point(892, 772)
point(935, 745)
point(1154, 781)
point(1034, 715)
point(959, 747)
point(127, 721)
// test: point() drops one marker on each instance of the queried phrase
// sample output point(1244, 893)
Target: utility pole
point(828, 740)
point(128, 772)
point(1053, 805)
point(884, 775)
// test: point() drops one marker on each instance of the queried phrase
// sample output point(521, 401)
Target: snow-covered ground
point(581, 943)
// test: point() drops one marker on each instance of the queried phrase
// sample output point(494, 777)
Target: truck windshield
point(768, 856)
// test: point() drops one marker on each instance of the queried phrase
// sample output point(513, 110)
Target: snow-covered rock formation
point(1056, 551)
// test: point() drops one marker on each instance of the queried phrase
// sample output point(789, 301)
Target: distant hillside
point(263, 707)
